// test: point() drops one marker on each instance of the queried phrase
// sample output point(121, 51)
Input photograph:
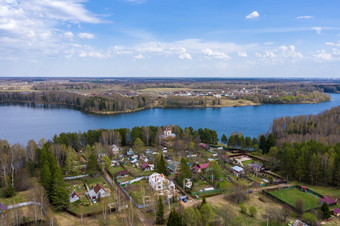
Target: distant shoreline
point(54, 105)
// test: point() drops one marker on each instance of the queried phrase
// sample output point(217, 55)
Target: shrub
point(243, 209)
point(252, 211)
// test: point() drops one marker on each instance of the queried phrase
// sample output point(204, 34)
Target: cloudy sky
point(173, 38)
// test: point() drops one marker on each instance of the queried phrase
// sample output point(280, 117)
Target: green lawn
point(247, 162)
point(323, 190)
point(291, 195)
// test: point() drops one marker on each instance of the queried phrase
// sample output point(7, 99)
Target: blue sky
point(172, 38)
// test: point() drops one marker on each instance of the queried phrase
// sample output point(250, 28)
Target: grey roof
point(237, 168)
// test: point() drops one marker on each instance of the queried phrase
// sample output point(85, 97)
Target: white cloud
point(242, 54)
point(253, 15)
point(323, 56)
point(68, 34)
point(281, 54)
point(304, 17)
point(86, 35)
point(317, 29)
point(185, 56)
point(138, 57)
point(215, 54)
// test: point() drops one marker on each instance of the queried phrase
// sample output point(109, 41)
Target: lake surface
point(20, 122)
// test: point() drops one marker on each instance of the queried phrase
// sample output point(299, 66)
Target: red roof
point(336, 211)
point(144, 165)
point(196, 168)
point(205, 146)
point(97, 188)
point(74, 194)
point(225, 156)
point(204, 165)
point(303, 187)
point(328, 200)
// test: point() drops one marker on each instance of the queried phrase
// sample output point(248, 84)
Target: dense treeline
point(149, 135)
point(310, 162)
point(284, 97)
point(86, 103)
point(324, 128)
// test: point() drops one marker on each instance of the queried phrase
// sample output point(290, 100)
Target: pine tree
point(160, 165)
point(59, 197)
point(92, 165)
point(326, 213)
point(184, 170)
point(46, 176)
point(224, 139)
point(174, 219)
point(160, 211)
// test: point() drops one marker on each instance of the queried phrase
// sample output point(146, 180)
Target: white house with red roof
point(74, 196)
point(98, 191)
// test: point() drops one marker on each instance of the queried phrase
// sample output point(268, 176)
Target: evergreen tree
point(224, 139)
point(160, 211)
point(232, 140)
point(59, 197)
point(92, 165)
point(174, 219)
point(160, 165)
point(263, 144)
point(9, 192)
point(46, 177)
point(326, 213)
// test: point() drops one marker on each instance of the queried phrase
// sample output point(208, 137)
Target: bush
point(252, 211)
point(9, 192)
point(309, 218)
point(243, 209)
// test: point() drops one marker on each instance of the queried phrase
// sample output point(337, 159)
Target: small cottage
point(199, 168)
point(147, 167)
point(255, 166)
point(336, 212)
point(328, 200)
point(121, 174)
point(115, 149)
point(238, 171)
point(98, 192)
point(74, 196)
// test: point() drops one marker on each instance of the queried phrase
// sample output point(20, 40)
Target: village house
point(121, 174)
point(255, 166)
point(3, 208)
point(336, 212)
point(200, 168)
point(167, 133)
point(115, 149)
point(130, 152)
point(74, 196)
point(328, 200)
point(238, 171)
point(159, 182)
point(98, 192)
point(173, 166)
point(147, 167)
point(205, 146)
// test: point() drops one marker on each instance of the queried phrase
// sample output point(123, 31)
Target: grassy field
point(323, 190)
point(291, 195)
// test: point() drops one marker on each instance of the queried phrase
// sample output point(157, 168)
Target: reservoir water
point(21, 122)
